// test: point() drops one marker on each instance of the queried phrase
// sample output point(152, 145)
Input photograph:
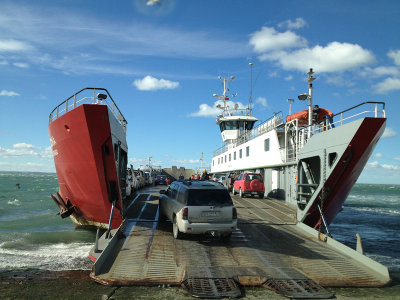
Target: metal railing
point(73, 102)
point(300, 135)
point(376, 110)
point(247, 135)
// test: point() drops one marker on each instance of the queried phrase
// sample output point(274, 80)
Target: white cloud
point(380, 71)
point(297, 24)
point(397, 158)
point(21, 65)
point(24, 149)
point(149, 83)
point(395, 55)
point(378, 155)
point(8, 93)
point(3, 63)
point(187, 161)
point(24, 146)
point(332, 58)
point(288, 78)
point(37, 34)
point(268, 39)
point(377, 165)
point(13, 46)
point(262, 101)
point(206, 110)
point(389, 132)
point(388, 85)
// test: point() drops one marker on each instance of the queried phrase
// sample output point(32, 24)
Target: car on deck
point(249, 184)
point(198, 207)
point(161, 179)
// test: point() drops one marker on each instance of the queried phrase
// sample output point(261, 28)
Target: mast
point(251, 88)
point(310, 96)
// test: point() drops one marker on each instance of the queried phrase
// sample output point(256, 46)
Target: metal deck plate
point(212, 287)
point(298, 289)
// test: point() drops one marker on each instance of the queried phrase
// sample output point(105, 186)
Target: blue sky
point(160, 60)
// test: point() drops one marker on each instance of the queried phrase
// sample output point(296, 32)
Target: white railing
point(267, 125)
point(89, 98)
point(290, 152)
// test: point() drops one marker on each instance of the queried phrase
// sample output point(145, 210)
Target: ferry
point(310, 160)
point(88, 139)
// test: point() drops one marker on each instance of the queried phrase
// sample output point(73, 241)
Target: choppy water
point(33, 236)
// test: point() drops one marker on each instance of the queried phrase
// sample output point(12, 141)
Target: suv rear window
point(251, 177)
point(209, 197)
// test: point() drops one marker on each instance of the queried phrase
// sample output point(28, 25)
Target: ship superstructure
point(88, 139)
point(310, 160)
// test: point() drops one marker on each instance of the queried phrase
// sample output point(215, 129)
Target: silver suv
point(197, 207)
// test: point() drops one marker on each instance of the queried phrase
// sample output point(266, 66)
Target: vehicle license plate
point(210, 214)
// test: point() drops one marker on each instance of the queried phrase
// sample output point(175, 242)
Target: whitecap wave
point(53, 257)
point(15, 202)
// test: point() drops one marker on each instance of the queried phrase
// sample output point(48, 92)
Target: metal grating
point(298, 289)
point(212, 287)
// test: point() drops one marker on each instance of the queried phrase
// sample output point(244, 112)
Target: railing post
point(66, 106)
point(376, 110)
point(74, 100)
point(57, 110)
point(341, 118)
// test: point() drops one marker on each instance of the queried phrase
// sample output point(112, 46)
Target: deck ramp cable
point(212, 288)
point(298, 288)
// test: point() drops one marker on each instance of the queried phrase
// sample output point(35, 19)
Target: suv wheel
point(226, 236)
point(161, 217)
point(175, 230)
point(261, 195)
point(241, 193)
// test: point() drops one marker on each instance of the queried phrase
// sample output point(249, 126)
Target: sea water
point(33, 236)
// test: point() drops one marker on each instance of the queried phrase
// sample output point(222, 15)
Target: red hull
point(347, 171)
point(84, 160)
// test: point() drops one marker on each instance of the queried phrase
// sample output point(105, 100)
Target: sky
point(160, 60)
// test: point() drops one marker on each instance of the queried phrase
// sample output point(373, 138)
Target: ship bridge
point(233, 126)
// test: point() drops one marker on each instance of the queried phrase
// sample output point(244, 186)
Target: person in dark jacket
point(204, 176)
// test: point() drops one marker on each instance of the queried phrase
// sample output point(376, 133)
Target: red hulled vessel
point(88, 139)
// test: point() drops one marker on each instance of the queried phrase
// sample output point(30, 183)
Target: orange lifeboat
point(303, 115)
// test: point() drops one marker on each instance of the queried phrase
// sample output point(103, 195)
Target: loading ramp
point(268, 249)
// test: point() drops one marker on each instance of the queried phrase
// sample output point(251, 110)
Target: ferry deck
point(268, 249)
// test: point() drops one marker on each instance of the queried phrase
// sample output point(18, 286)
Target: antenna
point(251, 88)
point(290, 105)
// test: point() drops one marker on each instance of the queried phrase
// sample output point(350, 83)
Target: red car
point(249, 184)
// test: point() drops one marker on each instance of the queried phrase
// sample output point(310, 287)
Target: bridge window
point(229, 157)
point(234, 155)
point(240, 153)
point(266, 145)
point(248, 151)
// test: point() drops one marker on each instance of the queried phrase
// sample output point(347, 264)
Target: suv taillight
point(185, 214)
point(234, 213)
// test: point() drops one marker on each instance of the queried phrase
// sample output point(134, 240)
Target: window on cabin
point(266, 145)
point(234, 155)
point(247, 150)
point(229, 157)
point(240, 153)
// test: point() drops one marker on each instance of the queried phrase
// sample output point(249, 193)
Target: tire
point(241, 194)
point(175, 230)
point(161, 217)
point(226, 236)
point(261, 195)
